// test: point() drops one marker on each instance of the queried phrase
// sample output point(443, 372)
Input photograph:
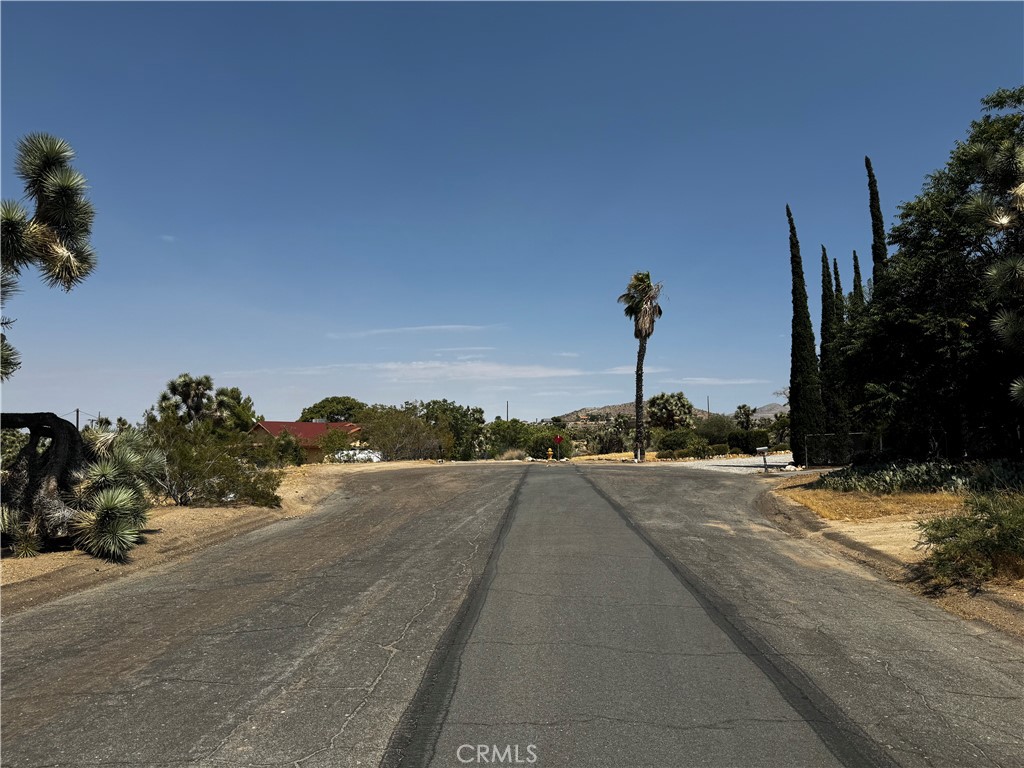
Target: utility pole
point(76, 421)
point(506, 410)
point(709, 406)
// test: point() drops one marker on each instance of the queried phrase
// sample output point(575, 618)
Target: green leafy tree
point(501, 436)
point(55, 238)
point(715, 428)
point(338, 408)
point(928, 371)
point(400, 433)
point(807, 413)
point(460, 428)
point(333, 442)
point(670, 411)
point(641, 306)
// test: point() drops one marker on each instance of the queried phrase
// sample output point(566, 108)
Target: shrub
point(735, 451)
point(676, 439)
point(665, 454)
point(715, 428)
point(111, 492)
point(781, 447)
point(749, 440)
point(699, 448)
point(719, 449)
point(513, 454)
point(204, 467)
point(683, 453)
point(926, 476)
point(967, 550)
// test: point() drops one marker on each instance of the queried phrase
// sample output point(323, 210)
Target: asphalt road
point(601, 616)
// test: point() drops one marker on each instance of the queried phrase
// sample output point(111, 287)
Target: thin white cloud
point(464, 370)
point(465, 349)
point(409, 329)
point(433, 370)
point(566, 354)
point(717, 381)
point(168, 238)
point(624, 369)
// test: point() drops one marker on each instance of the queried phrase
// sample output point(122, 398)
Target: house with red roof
point(308, 433)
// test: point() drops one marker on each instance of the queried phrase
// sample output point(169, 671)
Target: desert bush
point(111, 492)
point(926, 476)
point(542, 439)
point(749, 440)
point(715, 428)
point(720, 449)
point(665, 455)
point(204, 466)
point(970, 549)
point(676, 439)
point(513, 454)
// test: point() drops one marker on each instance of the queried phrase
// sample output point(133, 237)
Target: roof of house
point(307, 432)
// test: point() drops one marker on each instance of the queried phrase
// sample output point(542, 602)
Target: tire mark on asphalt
point(413, 741)
point(843, 737)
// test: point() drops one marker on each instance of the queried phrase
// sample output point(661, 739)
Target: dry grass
point(626, 456)
point(835, 505)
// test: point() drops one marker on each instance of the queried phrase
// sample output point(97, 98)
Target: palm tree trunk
point(640, 354)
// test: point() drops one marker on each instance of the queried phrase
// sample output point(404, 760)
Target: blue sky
point(397, 201)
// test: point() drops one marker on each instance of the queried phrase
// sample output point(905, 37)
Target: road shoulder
point(886, 545)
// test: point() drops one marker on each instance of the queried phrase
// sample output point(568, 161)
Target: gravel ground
point(745, 465)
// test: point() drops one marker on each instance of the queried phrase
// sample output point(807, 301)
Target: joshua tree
point(641, 300)
point(55, 240)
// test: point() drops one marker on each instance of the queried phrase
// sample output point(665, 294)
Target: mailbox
point(763, 453)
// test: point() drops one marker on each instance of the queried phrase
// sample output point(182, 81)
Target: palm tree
point(641, 300)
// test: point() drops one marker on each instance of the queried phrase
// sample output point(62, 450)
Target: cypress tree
point(837, 375)
point(857, 295)
point(840, 300)
point(806, 410)
point(828, 313)
point(878, 249)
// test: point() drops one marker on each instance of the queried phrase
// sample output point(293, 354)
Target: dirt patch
point(881, 532)
point(173, 532)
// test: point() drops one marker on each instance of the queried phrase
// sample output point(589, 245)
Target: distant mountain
point(769, 411)
point(598, 413)
point(609, 412)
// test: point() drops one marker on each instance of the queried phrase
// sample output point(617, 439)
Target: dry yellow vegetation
point(855, 505)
